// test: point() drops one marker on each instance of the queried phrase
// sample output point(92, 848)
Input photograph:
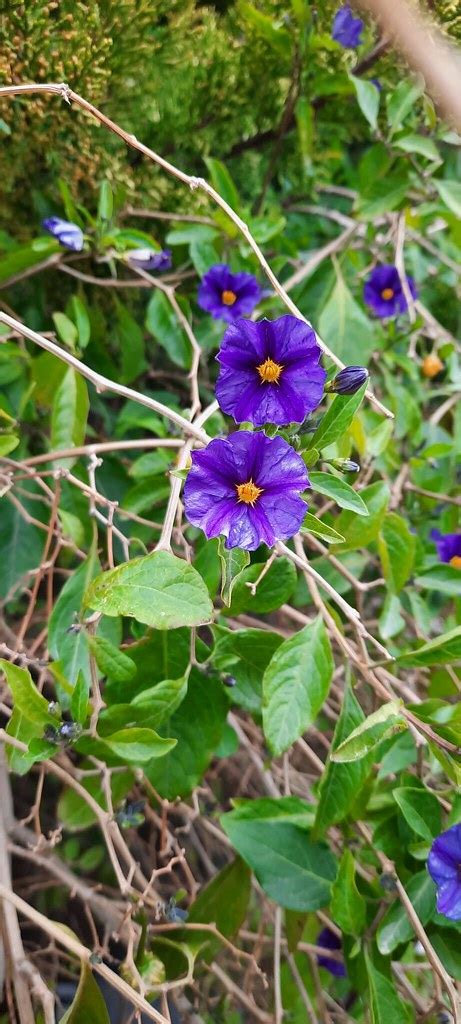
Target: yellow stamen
point(249, 492)
point(456, 561)
point(387, 293)
point(269, 371)
point(228, 297)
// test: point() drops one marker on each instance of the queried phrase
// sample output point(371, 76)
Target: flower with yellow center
point(228, 297)
point(248, 492)
point(456, 561)
point(387, 294)
point(269, 371)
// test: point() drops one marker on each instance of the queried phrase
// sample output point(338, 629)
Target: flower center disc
point(387, 293)
point(228, 297)
point(249, 492)
point(269, 371)
point(456, 561)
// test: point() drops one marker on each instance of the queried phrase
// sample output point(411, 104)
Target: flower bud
point(432, 365)
point(348, 381)
point(345, 465)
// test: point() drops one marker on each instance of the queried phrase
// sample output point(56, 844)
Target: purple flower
point(448, 547)
point(270, 371)
point(246, 487)
point(444, 865)
point(346, 29)
point(149, 259)
point(226, 295)
point(67, 234)
point(383, 291)
point(349, 380)
point(328, 940)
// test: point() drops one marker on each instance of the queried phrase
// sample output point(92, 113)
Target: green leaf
point(385, 1002)
point(27, 256)
point(21, 544)
point(81, 319)
point(418, 144)
point(361, 532)
point(197, 725)
point(345, 327)
point(131, 342)
point(8, 442)
point(276, 587)
point(223, 183)
point(88, 1004)
point(337, 418)
point(110, 660)
point(421, 810)
point(138, 746)
point(401, 101)
point(69, 646)
point(159, 589)
point(159, 702)
point(106, 201)
point(66, 329)
point(295, 685)
point(311, 524)
point(233, 561)
point(348, 907)
point(340, 783)
point(396, 545)
point(368, 98)
point(224, 901)
point(26, 698)
point(446, 943)
point(444, 578)
point(162, 323)
point(79, 707)
point(450, 193)
point(291, 869)
point(342, 493)
point(244, 654)
point(444, 650)
point(69, 414)
point(395, 927)
point(378, 726)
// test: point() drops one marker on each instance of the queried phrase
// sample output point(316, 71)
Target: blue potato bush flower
point(228, 296)
point(346, 29)
point(444, 866)
point(270, 371)
point(68, 235)
point(149, 259)
point(349, 380)
point(246, 487)
point(383, 291)
point(448, 547)
point(328, 940)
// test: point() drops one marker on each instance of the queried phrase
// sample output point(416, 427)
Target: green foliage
point(233, 732)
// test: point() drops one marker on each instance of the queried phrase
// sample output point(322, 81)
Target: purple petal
point(445, 855)
point(449, 899)
point(285, 511)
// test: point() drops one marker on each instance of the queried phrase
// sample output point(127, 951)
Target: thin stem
point(102, 383)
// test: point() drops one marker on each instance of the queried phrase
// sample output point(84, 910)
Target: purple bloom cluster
point(270, 371)
point(69, 235)
point(149, 259)
point(444, 866)
point(448, 547)
point(346, 29)
point(247, 487)
point(228, 296)
point(383, 291)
